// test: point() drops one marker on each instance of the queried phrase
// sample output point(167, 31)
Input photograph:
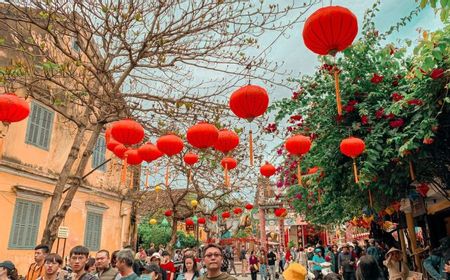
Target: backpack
point(224, 267)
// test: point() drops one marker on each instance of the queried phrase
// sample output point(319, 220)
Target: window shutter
point(39, 126)
point(25, 225)
point(93, 231)
point(98, 155)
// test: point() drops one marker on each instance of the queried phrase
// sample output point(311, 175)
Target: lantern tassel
point(251, 147)
point(124, 170)
point(299, 174)
point(227, 183)
point(167, 174)
point(147, 173)
point(189, 176)
point(338, 92)
point(411, 171)
point(355, 171)
point(370, 199)
point(131, 179)
point(1, 147)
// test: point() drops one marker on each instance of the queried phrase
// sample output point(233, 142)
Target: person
point(8, 271)
point(346, 263)
point(190, 270)
point(437, 264)
point(281, 260)
point(125, 265)
point(167, 265)
point(263, 265)
point(114, 258)
point(243, 259)
point(78, 258)
point(295, 272)
point(90, 266)
point(254, 265)
point(271, 260)
point(397, 267)
point(334, 258)
point(36, 269)
point(374, 251)
point(317, 260)
point(156, 259)
point(53, 268)
point(151, 272)
point(105, 271)
point(161, 249)
point(230, 256)
point(368, 269)
point(212, 259)
point(141, 254)
point(357, 249)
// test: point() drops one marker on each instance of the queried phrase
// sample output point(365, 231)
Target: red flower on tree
point(271, 127)
point(389, 116)
point(376, 79)
point(428, 141)
point(415, 101)
point(437, 73)
point(397, 123)
point(379, 113)
point(364, 119)
point(396, 96)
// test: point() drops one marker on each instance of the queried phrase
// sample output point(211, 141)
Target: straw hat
point(295, 271)
point(393, 249)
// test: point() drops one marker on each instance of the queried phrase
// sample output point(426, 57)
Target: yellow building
point(33, 154)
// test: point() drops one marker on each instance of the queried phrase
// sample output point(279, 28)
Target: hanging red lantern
point(228, 163)
point(108, 136)
point(298, 145)
point(13, 108)
point(133, 157)
point(168, 213)
point(190, 158)
point(189, 222)
point(249, 102)
point(226, 141)
point(423, 189)
point(237, 211)
point(353, 147)
point(327, 31)
point(202, 135)
point(120, 150)
point(280, 212)
point(226, 215)
point(201, 221)
point(213, 218)
point(112, 144)
point(170, 145)
point(267, 170)
point(249, 206)
point(149, 152)
point(127, 132)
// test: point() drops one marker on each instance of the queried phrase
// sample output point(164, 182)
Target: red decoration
point(249, 206)
point(112, 144)
point(13, 108)
point(228, 163)
point(237, 211)
point(189, 222)
point(190, 158)
point(298, 145)
point(202, 135)
point(423, 189)
point(353, 147)
point(329, 30)
point(149, 152)
point(227, 141)
point(280, 212)
point(170, 144)
point(226, 215)
point(133, 157)
point(108, 136)
point(168, 213)
point(201, 221)
point(267, 170)
point(312, 170)
point(127, 132)
point(120, 150)
point(213, 218)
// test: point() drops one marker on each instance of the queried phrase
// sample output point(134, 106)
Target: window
point(93, 231)
point(40, 124)
point(25, 224)
point(98, 155)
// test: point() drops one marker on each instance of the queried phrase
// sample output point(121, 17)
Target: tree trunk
point(173, 238)
point(57, 213)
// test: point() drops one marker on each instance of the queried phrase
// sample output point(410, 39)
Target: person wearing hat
point(8, 271)
point(397, 267)
point(317, 260)
point(437, 264)
point(151, 272)
point(346, 263)
point(295, 271)
point(156, 259)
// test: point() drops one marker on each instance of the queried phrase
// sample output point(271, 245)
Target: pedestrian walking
point(78, 258)
point(36, 269)
point(397, 267)
point(263, 271)
point(244, 262)
point(271, 260)
point(124, 264)
point(105, 271)
point(190, 270)
point(53, 268)
point(346, 263)
point(254, 265)
point(212, 258)
point(368, 269)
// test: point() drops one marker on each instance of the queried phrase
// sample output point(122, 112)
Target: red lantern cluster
point(168, 213)
point(201, 221)
point(237, 211)
point(267, 170)
point(226, 215)
point(149, 152)
point(249, 206)
point(13, 108)
point(133, 157)
point(202, 135)
point(227, 140)
point(127, 132)
point(120, 151)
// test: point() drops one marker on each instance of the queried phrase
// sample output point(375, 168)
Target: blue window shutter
point(93, 231)
point(98, 155)
point(25, 225)
point(39, 126)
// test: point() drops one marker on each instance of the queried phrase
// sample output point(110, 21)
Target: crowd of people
point(371, 261)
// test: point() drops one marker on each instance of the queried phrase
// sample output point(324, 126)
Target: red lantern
point(353, 147)
point(226, 215)
point(280, 212)
point(120, 150)
point(189, 222)
point(249, 102)
point(190, 158)
point(237, 211)
point(170, 144)
point(228, 163)
point(227, 141)
point(330, 30)
point(267, 170)
point(423, 189)
point(201, 221)
point(213, 218)
point(249, 206)
point(108, 136)
point(13, 108)
point(127, 132)
point(112, 144)
point(327, 31)
point(168, 213)
point(202, 135)
point(149, 152)
point(298, 145)
point(133, 157)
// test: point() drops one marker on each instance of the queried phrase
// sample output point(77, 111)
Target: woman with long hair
point(368, 269)
point(8, 271)
point(190, 270)
point(254, 265)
